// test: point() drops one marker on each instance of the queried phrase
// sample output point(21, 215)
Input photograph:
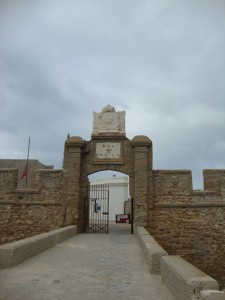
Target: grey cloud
point(161, 63)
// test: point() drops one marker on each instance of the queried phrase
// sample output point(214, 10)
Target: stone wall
point(191, 223)
point(20, 164)
point(185, 222)
point(24, 213)
point(135, 161)
point(127, 207)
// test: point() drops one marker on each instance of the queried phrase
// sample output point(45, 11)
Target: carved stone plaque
point(108, 150)
point(108, 120)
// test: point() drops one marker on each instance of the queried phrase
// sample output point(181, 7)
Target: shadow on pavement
point(118, 228)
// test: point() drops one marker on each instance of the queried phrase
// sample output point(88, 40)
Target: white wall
point(118, 193)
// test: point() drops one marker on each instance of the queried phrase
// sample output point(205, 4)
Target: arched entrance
point(109, 202)
point(108, 149)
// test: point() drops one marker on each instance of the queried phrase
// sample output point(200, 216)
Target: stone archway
point(109, 148)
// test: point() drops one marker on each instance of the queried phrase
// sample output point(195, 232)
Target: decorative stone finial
point(109, 121)
point(108, 108)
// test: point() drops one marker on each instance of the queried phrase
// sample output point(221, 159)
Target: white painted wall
point(118, 193)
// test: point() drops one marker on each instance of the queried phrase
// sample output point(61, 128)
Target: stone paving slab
point(87, 266)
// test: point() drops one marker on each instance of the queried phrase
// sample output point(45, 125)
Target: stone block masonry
point(151, 249)
point(185, 281)
point(212, 295)
point(191, 223)
point(184, 222)
point(25, 213)
point(14, 253)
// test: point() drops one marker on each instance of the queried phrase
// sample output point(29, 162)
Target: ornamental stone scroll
point(109, 121)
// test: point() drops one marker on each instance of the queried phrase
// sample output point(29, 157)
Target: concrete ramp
point(86, 266)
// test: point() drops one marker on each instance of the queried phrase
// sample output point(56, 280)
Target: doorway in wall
point(109, 204)
point(98, 208)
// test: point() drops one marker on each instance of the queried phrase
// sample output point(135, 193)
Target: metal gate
point(98, 209)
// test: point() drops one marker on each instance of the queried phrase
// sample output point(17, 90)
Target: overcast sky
point(162, 61)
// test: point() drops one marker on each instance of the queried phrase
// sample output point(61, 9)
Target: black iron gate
point(98, 209)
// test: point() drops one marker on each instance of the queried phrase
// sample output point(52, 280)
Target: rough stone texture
point(183, 279)
point(72, 187)
point(8, 182)
point(127, 207)
point(212, 295)
point(14, 253)
point(184, 222)
point(24, 213)
point(109, 120)
point(20, 164)
point(214, 180)
point(190, 223)
point(151, 249)
point(172, 186)
point(135, 161)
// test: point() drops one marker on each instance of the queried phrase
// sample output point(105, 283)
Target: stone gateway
point(185, 222)
point(109, 149)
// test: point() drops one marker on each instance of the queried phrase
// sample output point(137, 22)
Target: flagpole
point(28, 152)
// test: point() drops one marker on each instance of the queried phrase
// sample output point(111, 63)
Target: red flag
point(25, 171)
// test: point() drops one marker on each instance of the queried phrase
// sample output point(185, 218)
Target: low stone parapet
point(151, 249)
point(14, 253)
point(184, 280)
point(64, 233)
point(212, 295)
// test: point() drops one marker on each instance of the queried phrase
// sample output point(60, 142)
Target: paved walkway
point(87, 266)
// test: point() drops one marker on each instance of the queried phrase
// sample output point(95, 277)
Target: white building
point(118, 194)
